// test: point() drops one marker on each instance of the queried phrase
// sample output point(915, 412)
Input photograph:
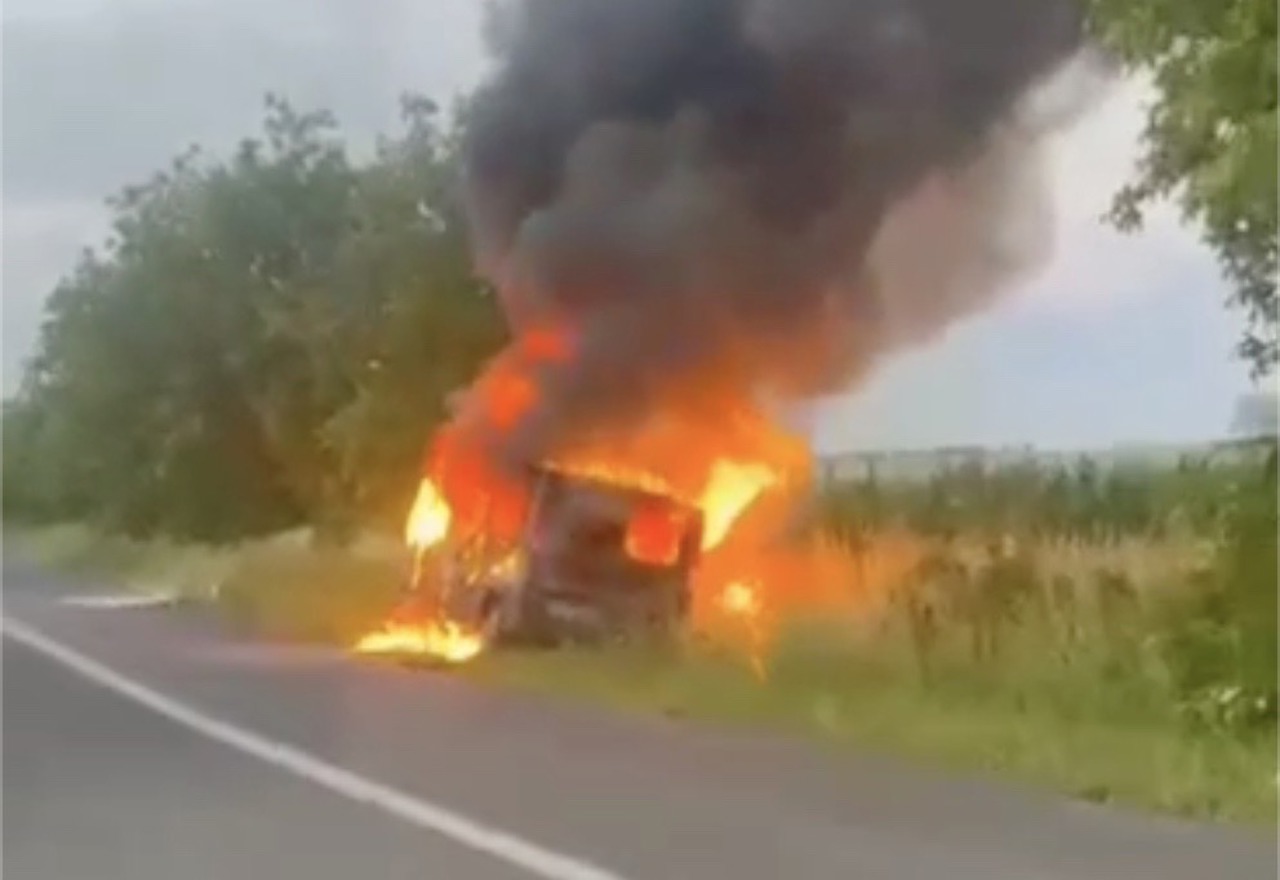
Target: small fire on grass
point(442, 639)
point(741, 599)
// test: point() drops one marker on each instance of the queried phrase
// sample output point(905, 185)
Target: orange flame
point(720, 467)
point(730, 489)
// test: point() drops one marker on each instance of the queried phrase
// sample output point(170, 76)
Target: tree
point(1210, 137)
point(264, 341)
point(425, 323)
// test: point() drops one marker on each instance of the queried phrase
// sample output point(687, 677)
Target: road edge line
point(471, 833)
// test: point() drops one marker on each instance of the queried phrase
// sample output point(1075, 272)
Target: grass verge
point(1028, 732)
point(1087, 726)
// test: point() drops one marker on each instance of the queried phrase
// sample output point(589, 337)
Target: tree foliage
point(1210, 137)
point(263, 341)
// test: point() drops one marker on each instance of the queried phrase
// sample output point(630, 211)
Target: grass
point(309, 594)
point(1022, 733)
point(145, 566)
point(282, 587)
point(1078, 701)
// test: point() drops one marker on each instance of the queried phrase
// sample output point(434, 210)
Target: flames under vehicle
point(596, 560)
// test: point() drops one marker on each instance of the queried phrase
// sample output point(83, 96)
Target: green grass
point(146, 566)
point(282, 587)
point(308, 594)
point(1051, 733)
point(1086, 709)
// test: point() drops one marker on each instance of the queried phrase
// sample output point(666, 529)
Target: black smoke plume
point(760, 195)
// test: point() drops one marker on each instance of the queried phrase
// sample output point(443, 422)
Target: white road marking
point(109, 602)
point(468, 832)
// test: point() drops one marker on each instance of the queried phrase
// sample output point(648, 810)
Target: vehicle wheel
point(531, 624)
point(489, 616)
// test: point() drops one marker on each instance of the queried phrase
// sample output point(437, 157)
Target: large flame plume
point(692, 209)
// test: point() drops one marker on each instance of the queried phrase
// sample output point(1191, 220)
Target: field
point(1108, 633)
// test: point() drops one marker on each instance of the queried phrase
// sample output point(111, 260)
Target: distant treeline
point(1083, 498)
point(834, 468)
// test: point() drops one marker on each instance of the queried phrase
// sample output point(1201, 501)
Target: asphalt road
point(143, 745)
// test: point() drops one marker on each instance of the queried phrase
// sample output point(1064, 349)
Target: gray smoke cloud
point(764, 196)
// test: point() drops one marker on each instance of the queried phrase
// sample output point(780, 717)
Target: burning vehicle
point(596, 560)
point(577, 553)
point(692, 210)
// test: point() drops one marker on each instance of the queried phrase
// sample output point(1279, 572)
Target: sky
point(1119, 339)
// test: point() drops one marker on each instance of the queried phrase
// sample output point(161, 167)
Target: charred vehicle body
point(597, 560)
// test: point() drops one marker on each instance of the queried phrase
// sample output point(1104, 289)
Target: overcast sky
point(1121, 339)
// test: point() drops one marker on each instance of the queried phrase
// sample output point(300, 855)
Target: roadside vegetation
point(229, 402)
point(1128, 660)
